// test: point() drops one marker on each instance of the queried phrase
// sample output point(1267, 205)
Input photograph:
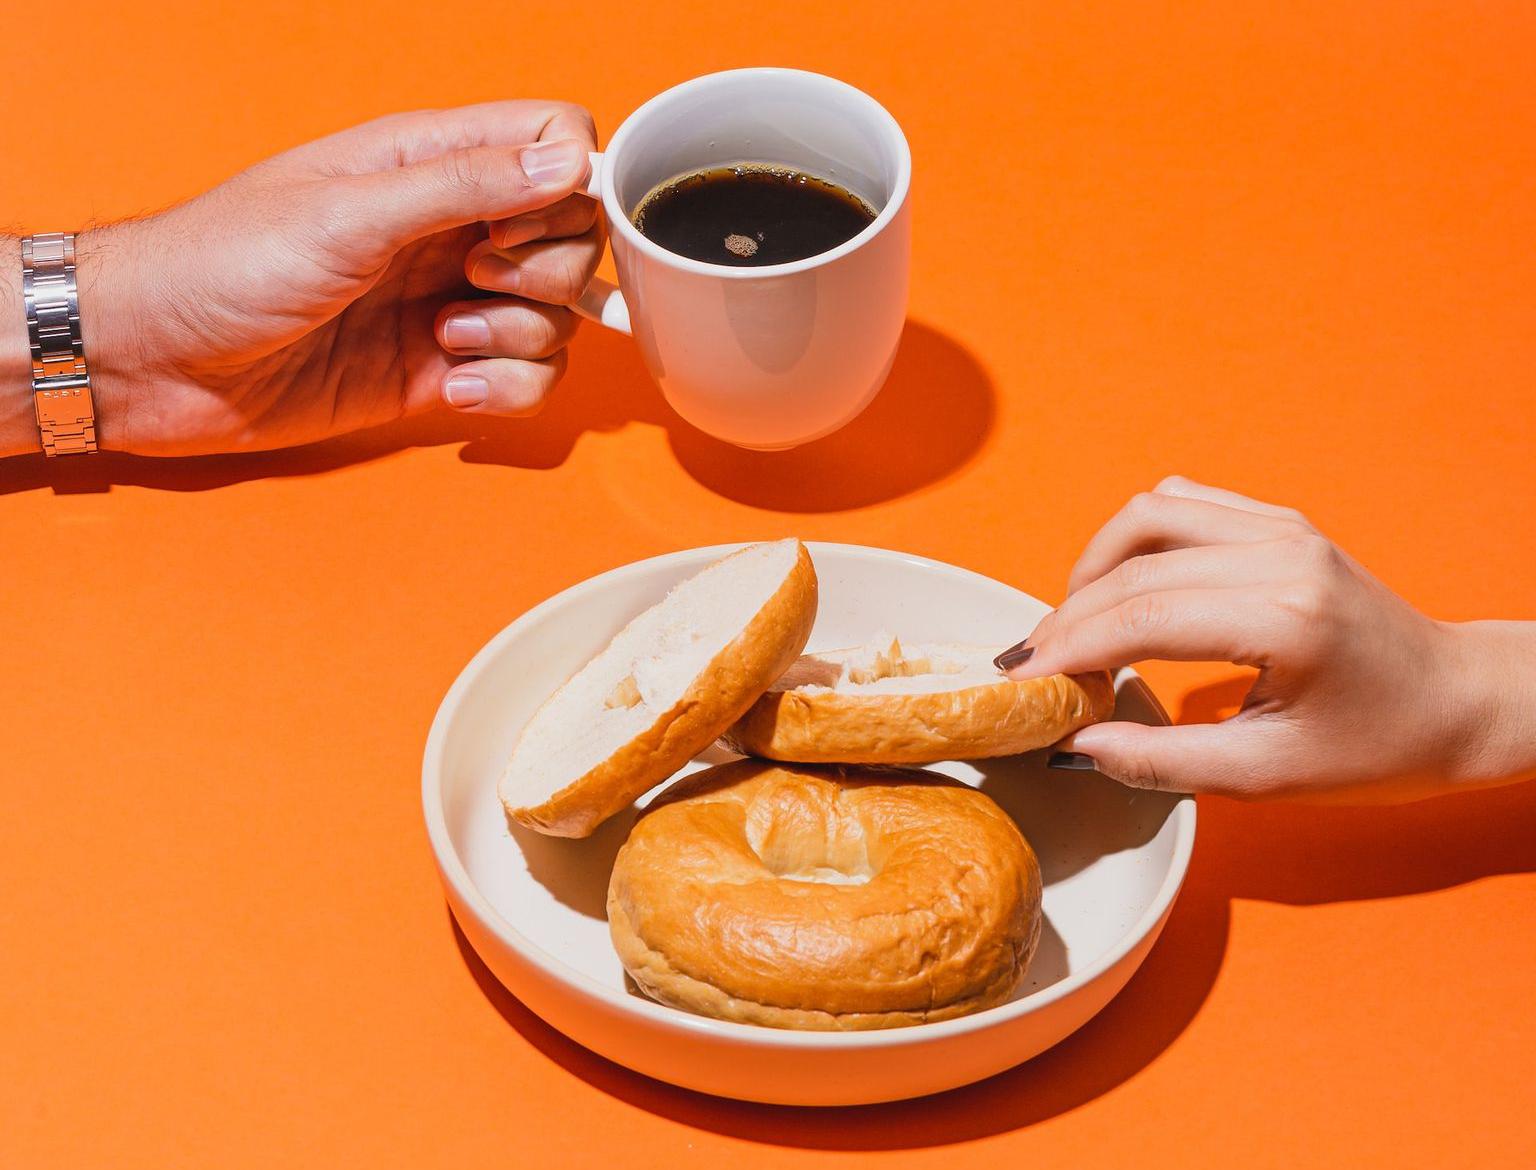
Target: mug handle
point(602, 301)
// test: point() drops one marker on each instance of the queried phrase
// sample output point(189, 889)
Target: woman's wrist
point(1494, 693)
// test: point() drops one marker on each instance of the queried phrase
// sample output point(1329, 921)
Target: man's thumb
point(473, 183)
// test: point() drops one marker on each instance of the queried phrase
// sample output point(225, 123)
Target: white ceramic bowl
point(1112, 858)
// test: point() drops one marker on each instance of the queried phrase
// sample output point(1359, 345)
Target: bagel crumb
point(743, 246)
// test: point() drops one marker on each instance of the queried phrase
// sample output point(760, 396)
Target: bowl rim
point(462, 887)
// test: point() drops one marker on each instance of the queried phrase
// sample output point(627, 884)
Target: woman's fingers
point(1191, 625)
point(509, 327)
point(1155, 522)
point(556, 272)
point(574, 215)
point(1178, 485)
point(502, 386)
point(1239, 759)
point(1222, 566)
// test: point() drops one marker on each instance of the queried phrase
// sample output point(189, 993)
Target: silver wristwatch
point(61, 384)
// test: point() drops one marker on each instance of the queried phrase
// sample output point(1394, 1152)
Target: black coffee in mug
point(751, 214)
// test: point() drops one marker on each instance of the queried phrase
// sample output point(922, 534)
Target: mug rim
point(619, 223)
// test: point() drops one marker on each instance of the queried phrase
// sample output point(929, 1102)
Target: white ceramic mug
point(779, 355)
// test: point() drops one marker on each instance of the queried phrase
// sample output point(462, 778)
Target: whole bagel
point(830, 899)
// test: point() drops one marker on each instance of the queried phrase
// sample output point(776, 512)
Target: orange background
point(1284, 248)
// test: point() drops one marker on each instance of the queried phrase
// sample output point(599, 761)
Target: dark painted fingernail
point(1013, 656)
point(1071, 762)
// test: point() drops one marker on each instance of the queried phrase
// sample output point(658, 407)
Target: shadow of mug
point(933, 416)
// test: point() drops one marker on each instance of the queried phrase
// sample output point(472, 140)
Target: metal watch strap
point(61, 384)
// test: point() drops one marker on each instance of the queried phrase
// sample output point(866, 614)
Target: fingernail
point(1013, 656)
point(494, 273)
point(523, 230)
point(467, 331)
point(1071, 762)
point(552, 162)
point(465, 390)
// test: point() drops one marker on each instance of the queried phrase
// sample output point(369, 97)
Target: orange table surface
point(1283, 248)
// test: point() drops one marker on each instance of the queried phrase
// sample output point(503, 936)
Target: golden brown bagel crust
point(725, 688)
point(704, 919)
point(999, 719)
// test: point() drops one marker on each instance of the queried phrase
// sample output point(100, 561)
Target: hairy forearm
point(18, 423)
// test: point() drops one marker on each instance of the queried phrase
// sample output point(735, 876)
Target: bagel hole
point(893, 663)
point(815, 843)
point(827, 876)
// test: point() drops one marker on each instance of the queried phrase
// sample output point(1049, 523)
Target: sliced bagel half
point(895, 704)
point(663, 690)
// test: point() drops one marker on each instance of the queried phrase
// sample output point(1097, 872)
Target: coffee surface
point(748, 215)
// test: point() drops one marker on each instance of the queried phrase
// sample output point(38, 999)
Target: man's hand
point(334, 287)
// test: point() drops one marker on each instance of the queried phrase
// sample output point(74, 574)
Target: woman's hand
point(1358, 697)
point(334, 287)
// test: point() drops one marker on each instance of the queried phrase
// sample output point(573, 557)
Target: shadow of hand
point(1309, 854)
point(932, 417)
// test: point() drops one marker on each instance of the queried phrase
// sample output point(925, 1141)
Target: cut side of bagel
point(891, 703)
point(663, 690)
